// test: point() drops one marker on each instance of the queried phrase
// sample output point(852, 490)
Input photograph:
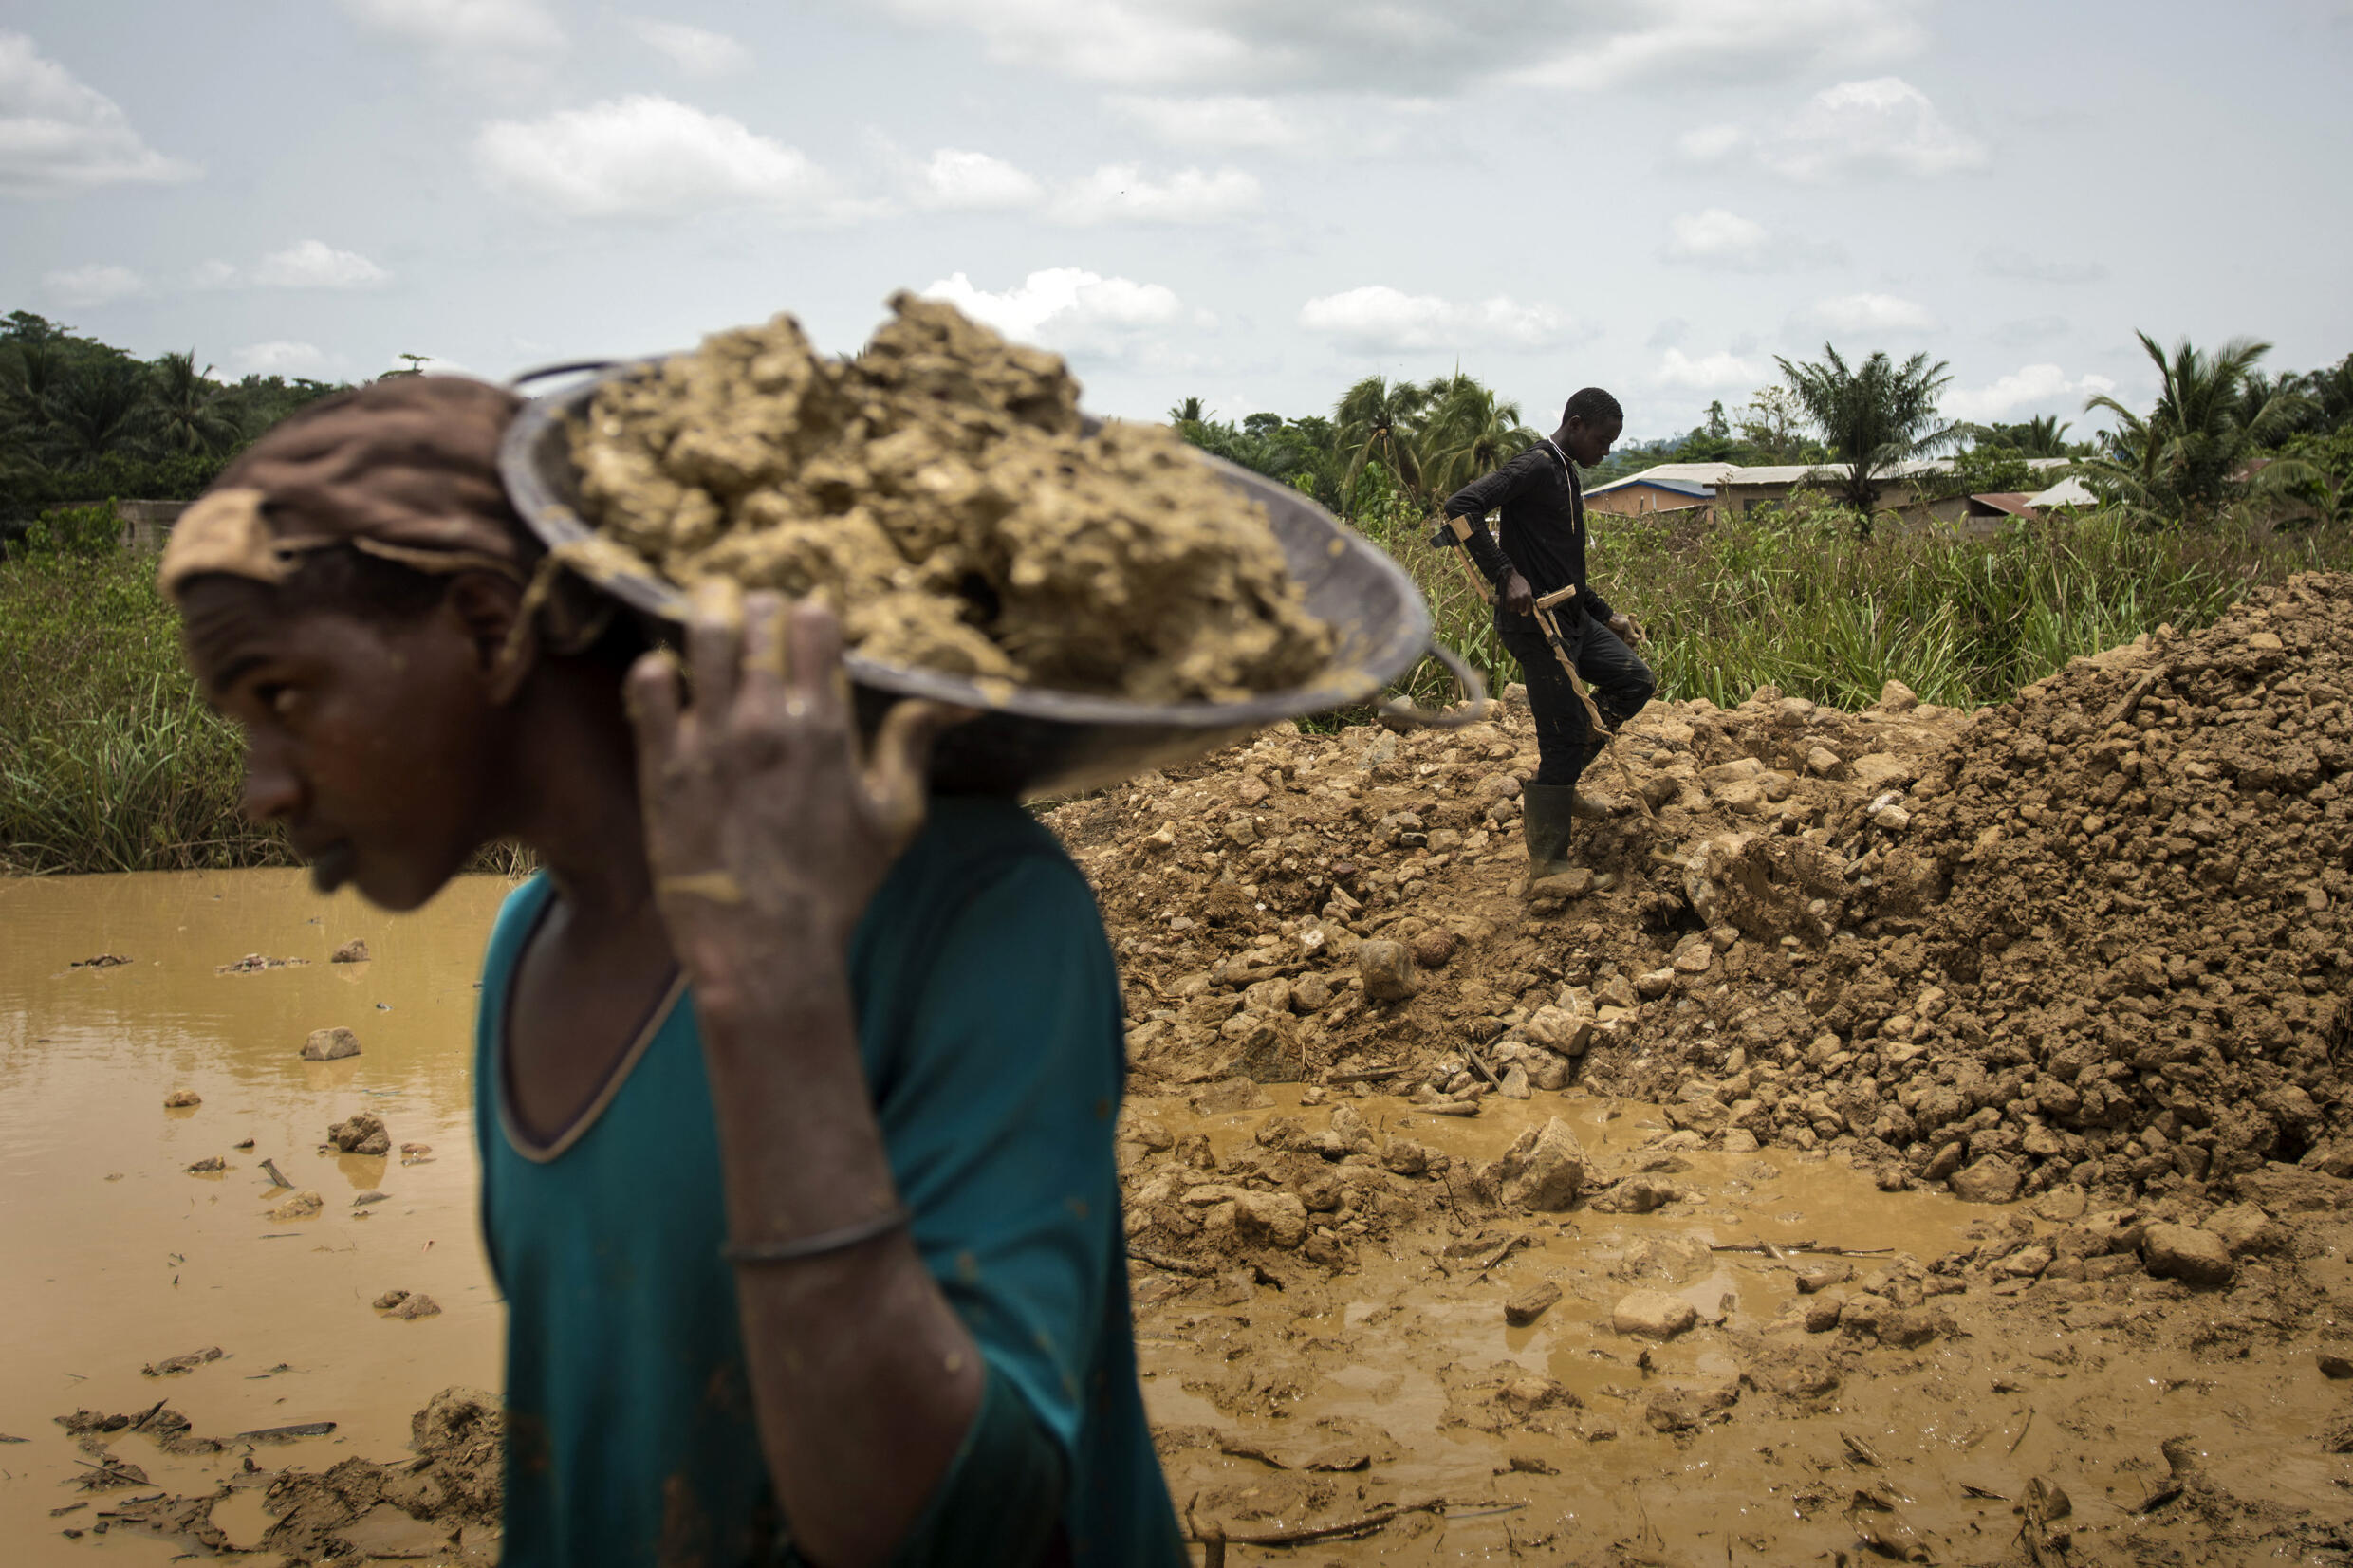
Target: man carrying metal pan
point(1584, 681)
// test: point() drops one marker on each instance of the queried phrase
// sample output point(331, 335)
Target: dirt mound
point(939, 491)
point(2093, 935)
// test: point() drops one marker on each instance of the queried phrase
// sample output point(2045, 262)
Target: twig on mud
point(1861, 1452)
point(2022, 1428)
point(1307, 1534)
point(1774, 1249)
point(1174, 1265)
point(1484, 1070)
point(1365, 1075)
point(1513, 1245)
point(2131, 703)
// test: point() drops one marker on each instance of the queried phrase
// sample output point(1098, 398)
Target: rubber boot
point(1546, 818)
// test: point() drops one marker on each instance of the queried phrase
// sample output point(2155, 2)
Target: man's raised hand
point(764, 826)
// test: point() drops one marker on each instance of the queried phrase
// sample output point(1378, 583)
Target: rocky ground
point(2081, 956)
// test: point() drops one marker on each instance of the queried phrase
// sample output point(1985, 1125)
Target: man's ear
point(489, 608)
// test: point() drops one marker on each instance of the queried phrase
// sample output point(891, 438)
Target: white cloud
point(2027, 389)
point(1378, 319)
point(953, 179)
point(1071, 309)
point(2030, 268)
point(695, 51)
point(1728, 242)
point(1421, 46)
point(282, 358)
point(461, 23)
point(1669, 333)
point(1227, 123)
point(58, 135)
point(1884, 126)
point(93, 284)
point(1868, 314)
point(1119, 193)
point(645, 156)
point(215, 274)
point(315, 264)
point(1710, 372)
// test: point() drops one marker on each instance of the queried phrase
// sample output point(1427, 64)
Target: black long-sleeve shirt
point(1544, 524)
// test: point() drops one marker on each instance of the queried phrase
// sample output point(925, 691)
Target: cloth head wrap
point(405, 469)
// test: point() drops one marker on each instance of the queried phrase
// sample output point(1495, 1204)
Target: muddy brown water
point(116, 1258)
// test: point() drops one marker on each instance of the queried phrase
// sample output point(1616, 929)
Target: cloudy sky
point(1253, 201)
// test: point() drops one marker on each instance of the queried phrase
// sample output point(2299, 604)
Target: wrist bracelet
point(824, 1242)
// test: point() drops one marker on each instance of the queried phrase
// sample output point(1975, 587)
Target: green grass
point(108, 762)
point(1793, 600)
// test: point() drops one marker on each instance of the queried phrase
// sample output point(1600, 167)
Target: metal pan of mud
point(1029, 740)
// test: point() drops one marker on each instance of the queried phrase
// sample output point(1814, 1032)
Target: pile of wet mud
point(2092, 937)
point(443, 1502)
point(940, 491)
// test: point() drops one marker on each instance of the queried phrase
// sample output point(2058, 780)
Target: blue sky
point(1253, 201)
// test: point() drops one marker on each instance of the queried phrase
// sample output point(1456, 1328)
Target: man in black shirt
point(1544, 552)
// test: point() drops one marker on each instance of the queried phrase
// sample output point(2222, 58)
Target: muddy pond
point(118, 1258)
point(1288, 1397)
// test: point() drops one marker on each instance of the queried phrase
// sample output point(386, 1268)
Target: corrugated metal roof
point(1654, 480)
point(1678, 475)
point(2067, 492)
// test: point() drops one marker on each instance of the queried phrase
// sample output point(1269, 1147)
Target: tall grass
point(108, 760)
point(1787, 598)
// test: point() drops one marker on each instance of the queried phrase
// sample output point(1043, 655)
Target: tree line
point(2224, 437)
point(83, 421)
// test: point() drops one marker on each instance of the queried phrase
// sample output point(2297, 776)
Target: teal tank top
point(990, 1027)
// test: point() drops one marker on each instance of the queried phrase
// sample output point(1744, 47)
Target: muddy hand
point(763, 824)
point(1628, 629)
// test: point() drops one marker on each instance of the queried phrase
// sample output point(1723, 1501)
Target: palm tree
point(189, 409)
point(1377, 423)
point(100, 407)
point(1190, 412)
point(1468, 430)
point(1872, 417)
point(2190, 458)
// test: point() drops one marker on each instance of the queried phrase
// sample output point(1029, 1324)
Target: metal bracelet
point(817, 1246)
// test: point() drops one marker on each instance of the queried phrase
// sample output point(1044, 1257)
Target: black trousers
point(1621, 683)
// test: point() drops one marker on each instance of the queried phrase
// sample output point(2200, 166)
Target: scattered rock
point(1544, 1170)
point(2183, 1253)
point(1992, 1179)
point(330, 1045)
point(353, 951)
point(302, 1205)
point(363, 1133)
point(1653, 1315)
point(1636, 1195)
point(407, 1304)
point(180, 1099)
point(363, 1200)
point(1387, 971)
point(208, 1166)
point(1433, 948)
point(1529, 1304)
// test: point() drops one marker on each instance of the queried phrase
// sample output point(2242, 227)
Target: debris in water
point(302, 1205)
point(208, 1166)
point(181, 1099)
point(353, 951)
point(254, 962)
point(189, 1362)
point(102, 961)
